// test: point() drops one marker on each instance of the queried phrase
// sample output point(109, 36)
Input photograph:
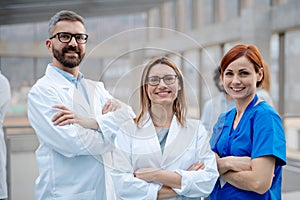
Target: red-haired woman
point(248, 140)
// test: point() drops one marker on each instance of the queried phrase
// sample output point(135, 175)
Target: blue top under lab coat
point(259, 133)
point(69, 157)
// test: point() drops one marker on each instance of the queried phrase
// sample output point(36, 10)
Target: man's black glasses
point(66, 37)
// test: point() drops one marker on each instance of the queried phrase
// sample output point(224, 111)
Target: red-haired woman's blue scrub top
point(259, 133)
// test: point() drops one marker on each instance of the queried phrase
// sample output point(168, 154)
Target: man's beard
point(69, 62)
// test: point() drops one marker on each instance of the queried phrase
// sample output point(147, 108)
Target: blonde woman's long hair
point(180, 103)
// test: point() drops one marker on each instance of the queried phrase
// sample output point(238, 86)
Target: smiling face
point(162, 93)
point(240, 79)
point(156, 94)
point(67, 55)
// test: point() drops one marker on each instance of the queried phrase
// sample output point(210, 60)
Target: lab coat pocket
point(90, 195)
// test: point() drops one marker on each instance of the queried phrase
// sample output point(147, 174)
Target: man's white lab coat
point(69, 157)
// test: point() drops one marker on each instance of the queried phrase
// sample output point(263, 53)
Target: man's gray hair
point(63, 15)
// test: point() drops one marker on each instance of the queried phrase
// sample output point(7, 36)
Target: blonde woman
point(162, 154)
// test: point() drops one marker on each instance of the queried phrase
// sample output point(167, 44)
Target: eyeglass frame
point(162, 78)
point(72, 35)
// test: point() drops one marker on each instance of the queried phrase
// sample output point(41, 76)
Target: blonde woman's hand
point(196, 166)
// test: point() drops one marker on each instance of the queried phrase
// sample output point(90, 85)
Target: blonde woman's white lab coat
point(69, 157)
point(139, 148)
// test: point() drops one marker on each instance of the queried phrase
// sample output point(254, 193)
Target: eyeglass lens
point(67, 37)
point(168, 79)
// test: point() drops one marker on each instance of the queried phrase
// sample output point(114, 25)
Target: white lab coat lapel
point(80, 105)
point(60, 82)
point(150, 148)
point(178, 141)
point(90, 89)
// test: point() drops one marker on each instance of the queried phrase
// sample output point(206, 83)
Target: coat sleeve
point(125, 184)
point(201, 182)
point(69, 140)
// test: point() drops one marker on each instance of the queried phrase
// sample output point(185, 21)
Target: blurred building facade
point(194, 33)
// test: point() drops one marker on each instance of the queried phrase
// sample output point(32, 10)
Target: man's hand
point(110, 106)
point(66, 116)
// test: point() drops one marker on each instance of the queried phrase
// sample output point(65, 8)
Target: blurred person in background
point(5, 95)
point(249, 140)
point(161, 154)
point(216, 105)
point(265, 90)
point(65, 110)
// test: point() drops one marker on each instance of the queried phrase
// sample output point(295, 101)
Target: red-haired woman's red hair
point(251, 52)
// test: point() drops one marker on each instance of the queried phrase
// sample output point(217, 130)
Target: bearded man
point(65, 111)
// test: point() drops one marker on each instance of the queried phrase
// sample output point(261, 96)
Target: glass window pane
point(292, 80)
